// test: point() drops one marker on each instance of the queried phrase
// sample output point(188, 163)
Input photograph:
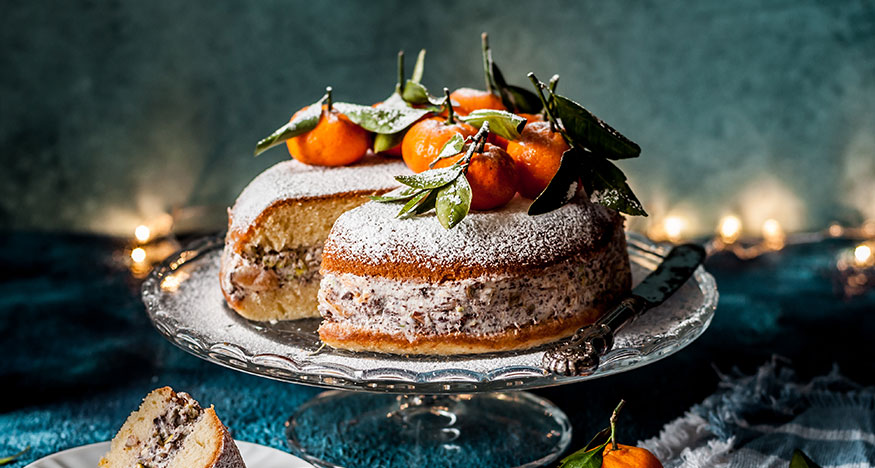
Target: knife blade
point(581, 355)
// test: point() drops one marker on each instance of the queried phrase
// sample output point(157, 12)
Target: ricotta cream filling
point(476, 306)
point(257, 271)
point(170, 430)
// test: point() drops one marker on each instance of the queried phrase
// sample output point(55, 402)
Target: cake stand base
point(356, 429)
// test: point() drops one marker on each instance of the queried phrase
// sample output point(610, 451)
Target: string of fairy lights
point(854, 268)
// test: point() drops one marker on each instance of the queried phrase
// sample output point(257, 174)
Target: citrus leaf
point(562, 187)
point(419, 67)
point(399, 194)
point(413, 202)
point(387, 141)
point(453, 202)
point(501, 123)
point(800, 460)
point(416, 94)
point(426, 205)
point(589, 131)
point(430, 179)
point(452, 147)
point(522, 100)
point(584, 458)
point(380, 119)
point(606, 185)
point(305, 121)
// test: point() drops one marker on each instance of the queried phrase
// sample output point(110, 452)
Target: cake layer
point(293, 204)
point(370, 241)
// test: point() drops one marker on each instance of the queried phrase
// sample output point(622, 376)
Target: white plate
point(87, 456)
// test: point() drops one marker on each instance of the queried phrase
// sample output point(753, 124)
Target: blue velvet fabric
point(79, 352)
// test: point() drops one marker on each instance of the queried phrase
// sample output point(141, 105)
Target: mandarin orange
point(466, 100)
point(424, 140)
point(335, 141)
point(537, 153)
point(492, 176)
point(627, 456)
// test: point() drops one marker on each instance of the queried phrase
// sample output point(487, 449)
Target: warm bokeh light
point(836, 229)
point(773, 234)
point(863, 255)
point(673, 227)
point(138, 255)
point(730, 228)
point(142, 233)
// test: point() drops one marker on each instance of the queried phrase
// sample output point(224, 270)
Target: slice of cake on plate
point(171, 430)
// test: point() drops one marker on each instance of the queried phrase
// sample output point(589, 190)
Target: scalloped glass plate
point(185, 303)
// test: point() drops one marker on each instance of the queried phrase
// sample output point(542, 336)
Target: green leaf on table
point(397, 195)
point(562, 187)
point(430, 179)
point(453, 202)
point(380, 119)
point(305, 121)
point(416, 94)
point(14, 457)
point(800, 460)
point(589, 131)
point(606, 185)
point(413, 202)
point(501, 123)
point(386, 141)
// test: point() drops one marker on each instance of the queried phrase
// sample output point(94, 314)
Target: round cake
point(499, 280)
point(270, 265)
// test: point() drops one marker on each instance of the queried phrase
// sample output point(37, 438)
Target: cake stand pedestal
point(409, 410)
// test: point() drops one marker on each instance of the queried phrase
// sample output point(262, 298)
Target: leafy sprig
point(592, 144)
point(446, 190)
point(592, 454)
point(13, 457)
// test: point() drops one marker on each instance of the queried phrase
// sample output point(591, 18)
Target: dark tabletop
point(80, 352)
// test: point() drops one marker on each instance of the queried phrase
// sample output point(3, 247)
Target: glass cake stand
point(409, 410)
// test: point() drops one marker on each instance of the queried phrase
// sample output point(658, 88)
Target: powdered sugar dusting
point(291, 180)
point(371, 234)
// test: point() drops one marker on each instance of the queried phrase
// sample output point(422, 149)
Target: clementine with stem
point(425, 139)
point(492, 176)
point(537, 153)
point(335, 141)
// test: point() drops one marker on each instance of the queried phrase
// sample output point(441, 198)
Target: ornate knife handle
point(580, 355)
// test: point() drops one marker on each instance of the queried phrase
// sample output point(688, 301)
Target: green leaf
point(589, 131)
point(426, 205)
point(430, 179)
point(452, 147)
point(453, 202)
point(12, 458)
point(606, 185)
point(419, 67)
point(800, 460)
point(306, 120)
point(387, 141)
point(584, 458)
point(501, 123)
point(380, 119)
point(413, 202)
point(562, 187)
point(416, 94)
point(399, 194)
point(522, 99)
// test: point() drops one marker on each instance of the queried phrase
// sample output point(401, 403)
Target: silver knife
point(580, 355)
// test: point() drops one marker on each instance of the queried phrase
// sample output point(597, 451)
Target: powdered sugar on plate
point(294, 180)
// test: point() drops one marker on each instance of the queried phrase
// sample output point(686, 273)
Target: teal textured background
point(113, 112)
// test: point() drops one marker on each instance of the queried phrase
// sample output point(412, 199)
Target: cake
point(273, 249)
point(171, 430)
point(500, 280)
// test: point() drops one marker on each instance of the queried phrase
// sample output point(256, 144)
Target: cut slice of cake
point(499, 280)
point(171, 430)
point(270, 265)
